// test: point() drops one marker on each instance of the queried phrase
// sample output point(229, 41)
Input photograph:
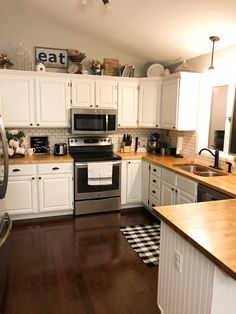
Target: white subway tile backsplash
point(61, 135)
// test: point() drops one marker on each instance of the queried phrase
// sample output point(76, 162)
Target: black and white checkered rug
point(145, 240)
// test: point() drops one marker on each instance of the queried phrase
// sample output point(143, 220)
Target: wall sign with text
point(52, 57)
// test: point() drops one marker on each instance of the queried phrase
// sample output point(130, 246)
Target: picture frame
point(52, 57)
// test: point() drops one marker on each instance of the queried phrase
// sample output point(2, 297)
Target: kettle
point(60, 149)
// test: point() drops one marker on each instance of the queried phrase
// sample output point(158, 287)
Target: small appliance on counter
point(60, 149)
point(40, 143)
point(153, 143)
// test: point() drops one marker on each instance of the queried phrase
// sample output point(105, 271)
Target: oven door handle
point(85, 164)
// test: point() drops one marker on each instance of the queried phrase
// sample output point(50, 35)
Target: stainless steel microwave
point(93, 121)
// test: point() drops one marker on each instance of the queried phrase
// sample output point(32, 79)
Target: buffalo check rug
point(145, 240)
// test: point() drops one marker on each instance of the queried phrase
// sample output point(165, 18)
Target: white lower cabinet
point(145, 182)
point(36, 189)
point(131, 182)
point(176, 189)
point(21, 195)
point(55, 192)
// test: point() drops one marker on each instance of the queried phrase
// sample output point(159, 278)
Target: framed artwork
point(52, 57)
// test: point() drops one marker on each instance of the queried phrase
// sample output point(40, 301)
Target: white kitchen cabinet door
point(169, 105)
point(123, 182)
point(184, 198)
point(17, 100)
point(179, 102)
point(21, 196)
point(55, 192)
point(52, 101)
point(134, 181)
point(145, 182)
point(83, 93)
point(149, 103)
point(167, 194)
point(106, 94)
point(127, 104)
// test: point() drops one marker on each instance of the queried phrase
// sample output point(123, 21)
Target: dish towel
point(100, 173)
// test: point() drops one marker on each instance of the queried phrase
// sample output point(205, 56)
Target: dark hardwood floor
point(79, 265)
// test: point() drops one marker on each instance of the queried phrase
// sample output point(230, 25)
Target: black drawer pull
point(55, 168)
point(153, 205)
point(40, 178)
point(153, 191)
point(154, 170)
point(32, 178)
point(16, 170)
point(172, 189)
point(154, 181)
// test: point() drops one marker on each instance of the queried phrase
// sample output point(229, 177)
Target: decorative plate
point(155, 69)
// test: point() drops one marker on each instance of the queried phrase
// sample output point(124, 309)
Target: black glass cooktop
point(86, 157)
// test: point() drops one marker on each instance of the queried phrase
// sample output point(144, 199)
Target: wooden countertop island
point(197, 269)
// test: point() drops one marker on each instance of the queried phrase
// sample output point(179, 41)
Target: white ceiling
point(164, 31)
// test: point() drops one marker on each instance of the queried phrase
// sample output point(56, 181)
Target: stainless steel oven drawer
point(97, 206)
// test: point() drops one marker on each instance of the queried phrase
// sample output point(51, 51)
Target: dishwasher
point(206, 194)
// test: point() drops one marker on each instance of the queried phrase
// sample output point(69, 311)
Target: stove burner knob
point(105, 139)
point(109, 140)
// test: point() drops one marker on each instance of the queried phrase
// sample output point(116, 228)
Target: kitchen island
point(197, 269)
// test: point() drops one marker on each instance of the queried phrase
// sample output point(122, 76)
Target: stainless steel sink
point(199, 170)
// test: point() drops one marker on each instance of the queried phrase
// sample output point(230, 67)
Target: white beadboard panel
point(224, 294)
point(188, 291)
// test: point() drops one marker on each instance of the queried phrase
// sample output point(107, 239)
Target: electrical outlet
point(178, 259)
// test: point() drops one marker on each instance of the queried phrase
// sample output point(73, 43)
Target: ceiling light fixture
point(213, 39)
point(107, 4)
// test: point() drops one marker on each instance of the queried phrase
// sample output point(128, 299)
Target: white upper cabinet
point(52, 101)
point(106, 94)
point(179, 101)
point(127, 103)
point(83, 93)
point(149, 103)
point(17, 100)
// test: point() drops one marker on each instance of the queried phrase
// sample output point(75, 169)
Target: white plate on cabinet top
point(154, 70)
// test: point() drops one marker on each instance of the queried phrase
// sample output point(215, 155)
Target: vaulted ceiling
point(164, 31)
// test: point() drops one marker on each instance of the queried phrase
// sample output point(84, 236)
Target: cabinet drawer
point(55, 168)
point(155, 192)
point(21, 170)
point(155, 181)
point(153, 202)
point(187, 185)
point(169, 176)
point(155, 170)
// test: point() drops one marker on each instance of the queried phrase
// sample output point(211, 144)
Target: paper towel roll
point(179, 146)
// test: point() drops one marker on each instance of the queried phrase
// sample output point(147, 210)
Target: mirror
point(218, 117)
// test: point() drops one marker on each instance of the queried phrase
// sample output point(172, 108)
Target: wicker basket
point(110, 66)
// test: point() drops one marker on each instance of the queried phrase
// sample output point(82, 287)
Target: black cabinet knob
point(16, 170)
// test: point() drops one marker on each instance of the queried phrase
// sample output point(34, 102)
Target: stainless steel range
point(97, 175)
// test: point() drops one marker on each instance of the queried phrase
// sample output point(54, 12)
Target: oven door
point(83, 191)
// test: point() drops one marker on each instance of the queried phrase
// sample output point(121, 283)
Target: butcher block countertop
point(225, 183)
point(40, 159)
point(208, 226)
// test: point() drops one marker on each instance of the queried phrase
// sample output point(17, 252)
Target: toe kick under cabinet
point(39, 190)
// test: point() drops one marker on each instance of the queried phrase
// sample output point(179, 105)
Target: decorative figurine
point(5, 61)
point(96, 67)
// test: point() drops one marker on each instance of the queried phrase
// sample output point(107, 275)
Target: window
point(215, 114)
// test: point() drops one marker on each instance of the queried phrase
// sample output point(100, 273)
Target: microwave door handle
point(6, 219)
point(3, 183)
point(106, 122)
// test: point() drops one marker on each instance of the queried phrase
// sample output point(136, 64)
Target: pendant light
point(213, 39)
point(107, 4)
